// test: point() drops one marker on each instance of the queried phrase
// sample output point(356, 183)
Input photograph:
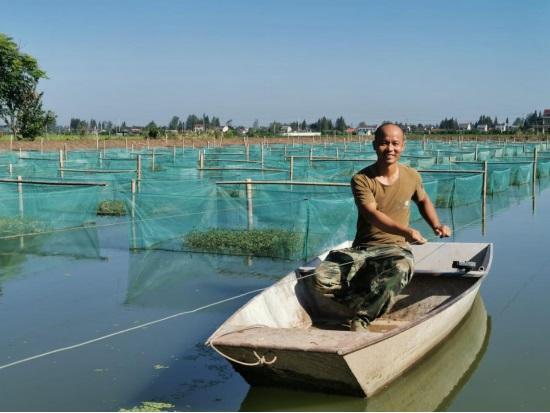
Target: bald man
point(368, 276)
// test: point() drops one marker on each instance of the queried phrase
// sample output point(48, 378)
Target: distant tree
point(152, 130)
point(449, 124)
point(485, 120)
point(303, 125)
point(181, 127)
point(173, 124)
point(275, 127)
point(215, 122)
point(340, 124)
point(362, 124)
point(20, 102)
point(93, 124)
point(256, 124)
point(191, 121)
point(294, 125)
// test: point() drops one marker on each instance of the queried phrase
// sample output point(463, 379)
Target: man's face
point(388, 148)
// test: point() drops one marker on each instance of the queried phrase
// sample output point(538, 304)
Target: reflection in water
point(74, 243)
point(428, 386)
point(165, 278)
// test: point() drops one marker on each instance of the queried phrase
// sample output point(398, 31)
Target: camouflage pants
point(365, 280)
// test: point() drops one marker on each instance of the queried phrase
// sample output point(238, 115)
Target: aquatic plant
point(112, 208)
point(20, 226)
point(150, 407)
point(258, 242)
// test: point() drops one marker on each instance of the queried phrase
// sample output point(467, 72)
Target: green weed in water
point(112, 208)
point(258, 242)
point(20, 226)
point(150, 407)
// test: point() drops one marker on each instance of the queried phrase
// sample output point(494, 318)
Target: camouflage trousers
point(365, 280)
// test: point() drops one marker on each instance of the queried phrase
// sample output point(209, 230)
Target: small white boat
point(291, 336)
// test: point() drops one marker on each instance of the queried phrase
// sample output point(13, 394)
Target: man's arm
point(386, 224)
point(429, 213)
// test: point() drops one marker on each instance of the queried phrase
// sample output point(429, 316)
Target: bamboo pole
point(249, 204)
point(97, 142)
point(138, 168)
point(291, 168)
point(61, 163)
point(153, 161)
point(10, 169)
point(535, 160)
point(20, 192)
point(174, 154)
point(133, 213)
point(11, 143)
point(41, 145)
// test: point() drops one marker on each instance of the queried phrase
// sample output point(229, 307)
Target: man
point(368, 276)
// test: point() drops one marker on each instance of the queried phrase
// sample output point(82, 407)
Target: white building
point(465, 126)
point(483, 128)
point(501, 127)
point(301, 134)
point(366, 130)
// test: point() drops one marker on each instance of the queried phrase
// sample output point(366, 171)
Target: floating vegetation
point(20, 226)
point(112, 208)
point(160, 367)
point(150, 407)
point(258, 242)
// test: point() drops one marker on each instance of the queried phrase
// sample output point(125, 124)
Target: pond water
point(57, 297)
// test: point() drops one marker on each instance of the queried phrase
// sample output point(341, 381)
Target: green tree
point(174, 122)
point(152, 130)
point(20, 102)
point(340, 124)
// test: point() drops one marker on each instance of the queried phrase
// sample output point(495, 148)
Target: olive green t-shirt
point(393, 200)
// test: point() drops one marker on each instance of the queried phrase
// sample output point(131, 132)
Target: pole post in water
point(262, 154)
point(201, 160)
point(475, 156)
point(10, 169)
point(126, 143)
point(97, 141)
point(11, 143)
point(153, 160)
point(337, 154)
point(535, 160)
point(41, 145)
point(291, 168)
point(138, 168)
point(311, 153)
point(20, 192)
point(174, 154)
point(247, 150)
point(249, 205)
point(133, 213)
point(61, 162)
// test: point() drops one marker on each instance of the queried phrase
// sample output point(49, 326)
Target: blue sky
point(416, 61)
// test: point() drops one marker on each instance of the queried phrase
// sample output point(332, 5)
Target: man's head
point(389, 142)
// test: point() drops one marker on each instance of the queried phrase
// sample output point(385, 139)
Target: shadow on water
point(430, 385)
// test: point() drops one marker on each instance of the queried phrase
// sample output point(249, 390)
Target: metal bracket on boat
point(466, 265)
point(261, 360)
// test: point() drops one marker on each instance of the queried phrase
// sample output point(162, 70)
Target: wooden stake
point(20, 191)
point(249, 205)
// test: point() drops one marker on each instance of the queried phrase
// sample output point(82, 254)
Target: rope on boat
point(260, 360)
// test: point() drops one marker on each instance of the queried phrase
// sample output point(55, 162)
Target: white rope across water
point(116, 333)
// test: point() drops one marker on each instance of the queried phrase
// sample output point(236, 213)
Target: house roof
point(546, 113)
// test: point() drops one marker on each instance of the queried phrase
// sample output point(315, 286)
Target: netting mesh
point(183, 204)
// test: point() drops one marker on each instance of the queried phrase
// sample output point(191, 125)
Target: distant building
point(366, 130)
point(482, 128)
point(501, 127)
point(241, 130)
point(546, 120)
point(199, 127)
point(465, 126)
point(301, 134)
point(351, 131)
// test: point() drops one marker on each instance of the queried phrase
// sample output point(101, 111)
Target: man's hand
point(442, 231)
point(414, 237)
